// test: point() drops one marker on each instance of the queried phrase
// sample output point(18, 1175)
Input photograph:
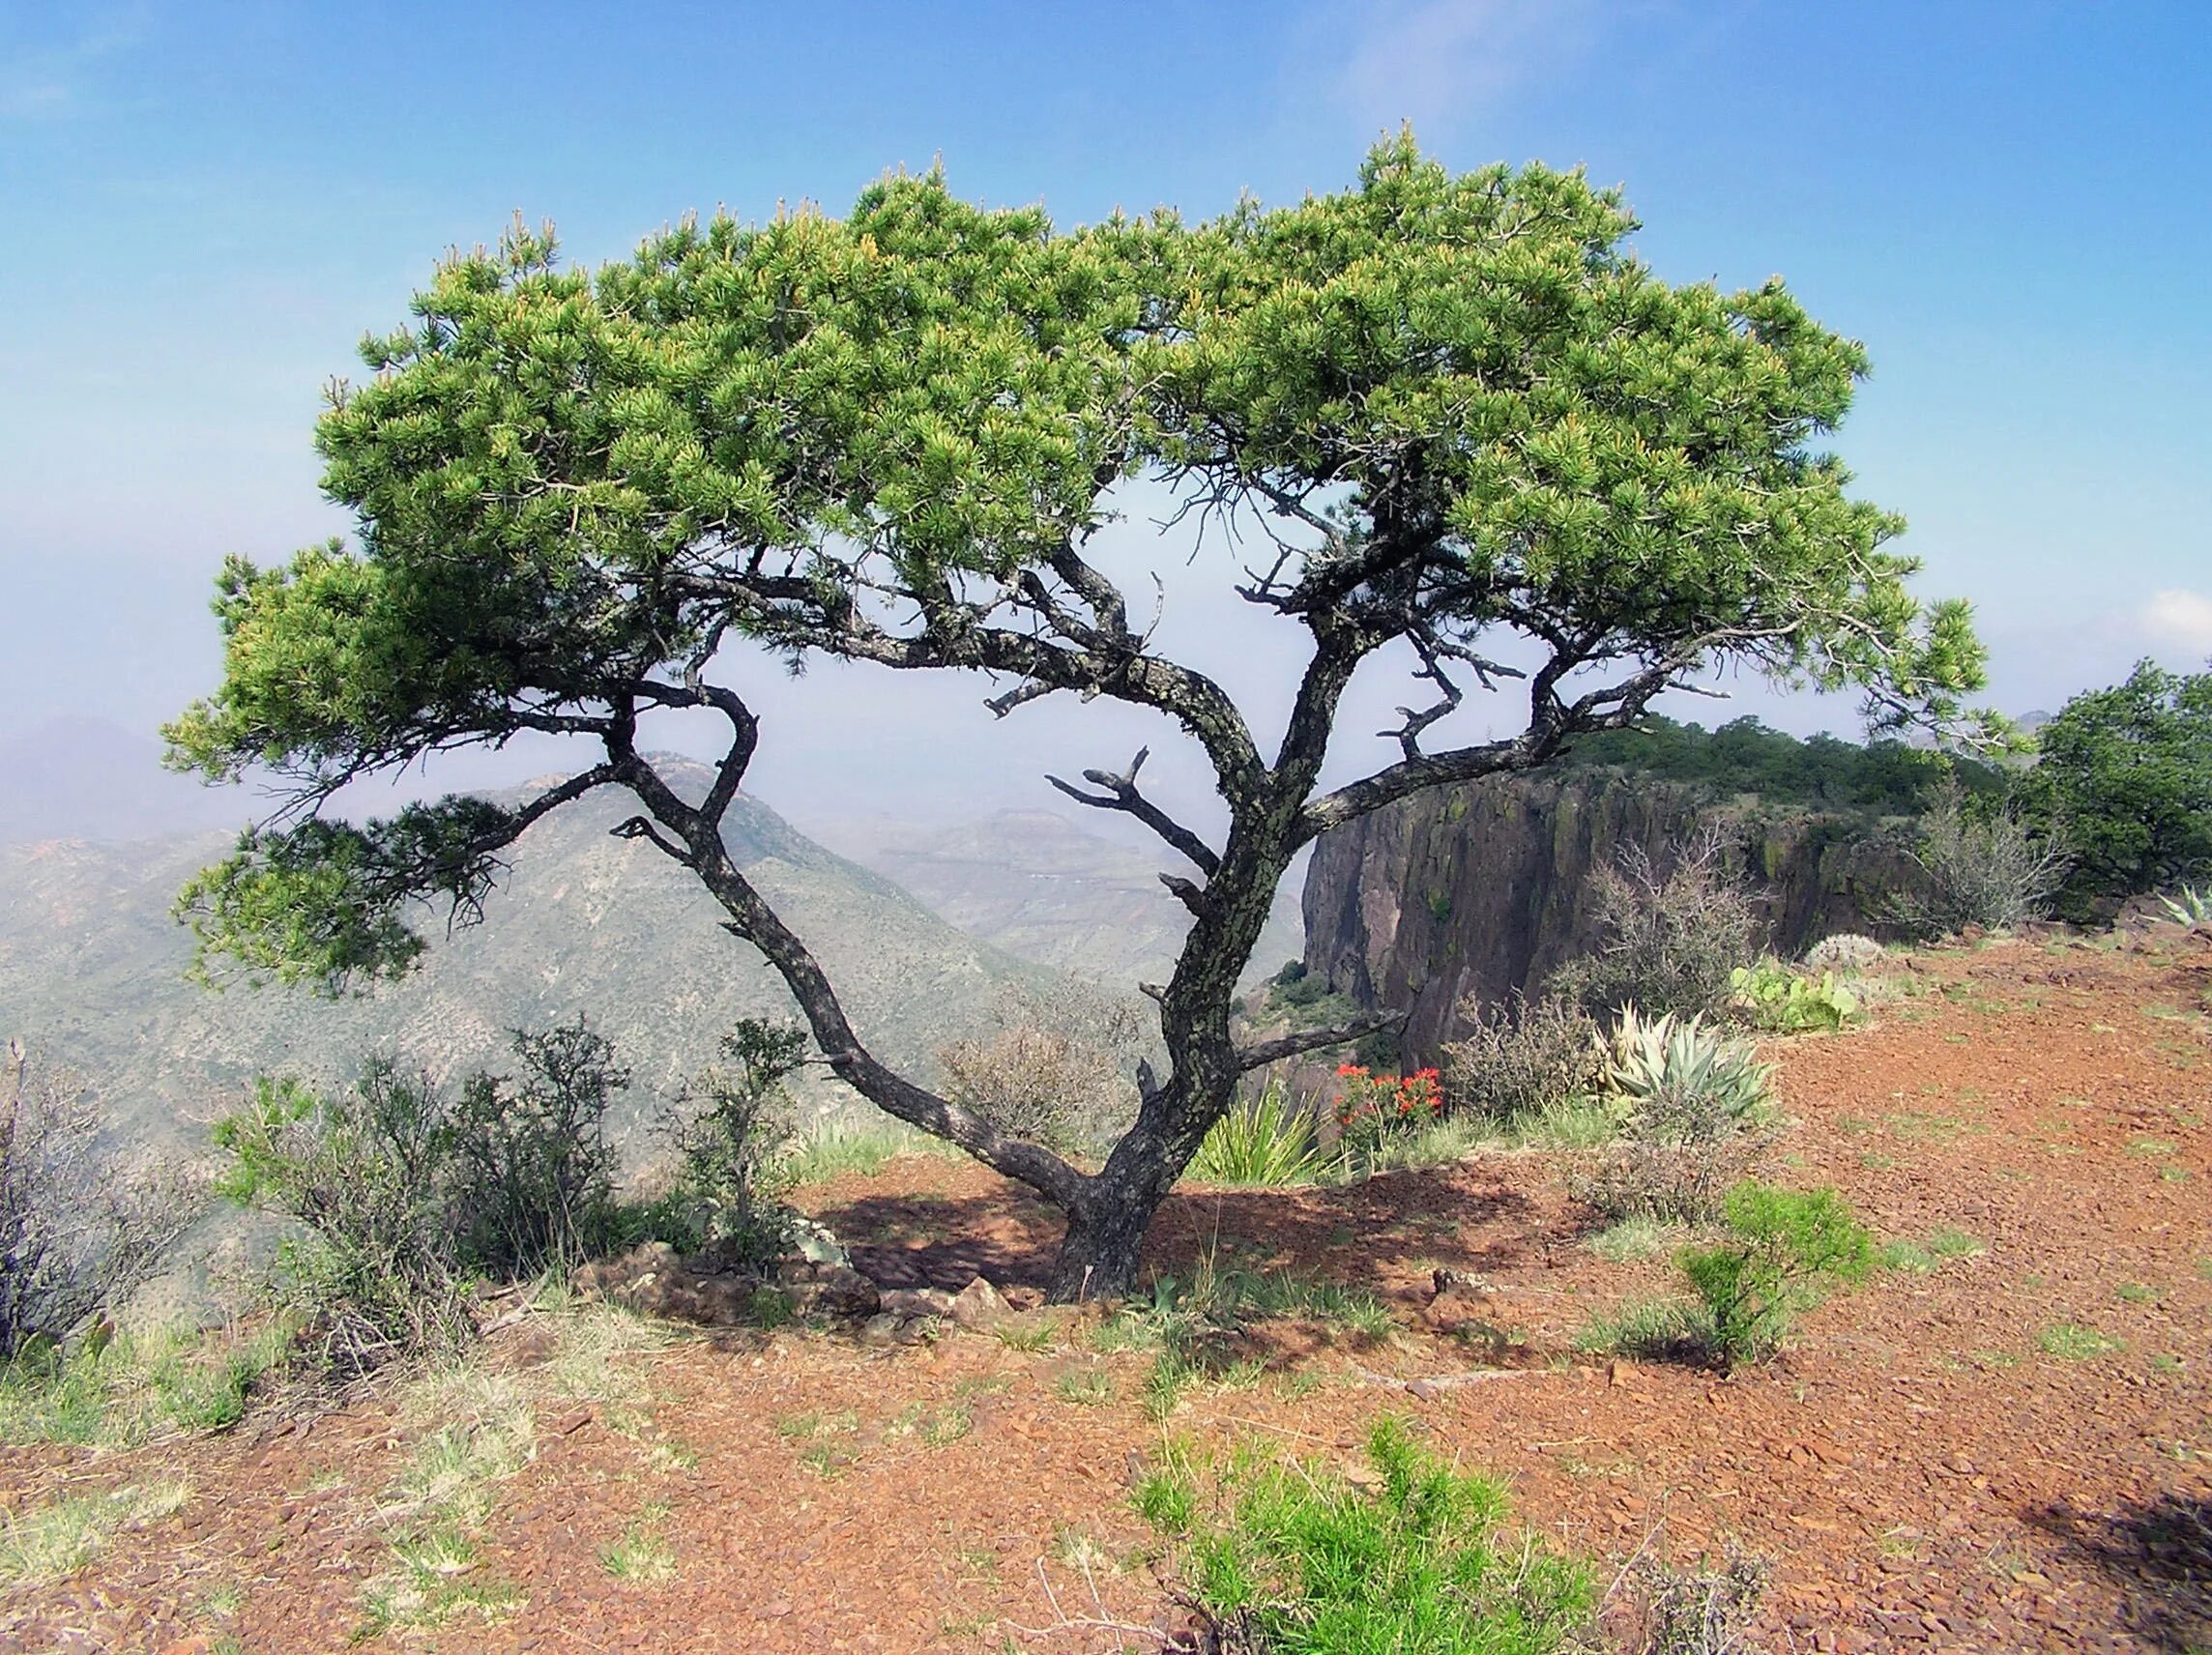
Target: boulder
point(979, 1307)
point(916, 1302)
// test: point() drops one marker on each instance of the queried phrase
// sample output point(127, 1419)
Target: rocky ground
point(2007, 1448)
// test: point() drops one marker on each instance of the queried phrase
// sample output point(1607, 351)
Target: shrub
point(1297, 1559)
point(1980, 866)
point(1784, 1248)
point(1266, 1141)
point(78, 1230)
point(734, 1134)
point(1056, 1072)
point(1520, 1059)
point(1845, 951)
point(1774, 996)
point(1668, 937)
point(1373, 1109)
point(362, 1172)
point(532, 1173)
point(403, 1194)
point(1688, 1101)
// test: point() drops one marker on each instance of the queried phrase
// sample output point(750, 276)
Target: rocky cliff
point(1483, 889)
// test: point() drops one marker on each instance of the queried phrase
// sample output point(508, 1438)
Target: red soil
point(1919, 1469)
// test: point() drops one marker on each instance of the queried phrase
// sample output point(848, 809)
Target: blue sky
point(202, 208)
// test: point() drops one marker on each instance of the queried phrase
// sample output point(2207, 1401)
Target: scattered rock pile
point(659, 1281)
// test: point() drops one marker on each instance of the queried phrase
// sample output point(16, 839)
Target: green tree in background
point(2127, 772)
point(1455, 417)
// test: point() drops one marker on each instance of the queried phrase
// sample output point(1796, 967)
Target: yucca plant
point(1267, 1141)
point(1677, 1080)
point(2189, 905)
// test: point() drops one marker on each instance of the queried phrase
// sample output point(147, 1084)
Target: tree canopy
point(2126, 777)
point(1454, 412)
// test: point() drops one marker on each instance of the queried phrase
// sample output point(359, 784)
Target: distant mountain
point(1035, 884)
point(91, 779)
point(92, 967)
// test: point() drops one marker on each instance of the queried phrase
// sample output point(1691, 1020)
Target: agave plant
point(2189, 905)
point(1266, 1141)
point(1677, 1080)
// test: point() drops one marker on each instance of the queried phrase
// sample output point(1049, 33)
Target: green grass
point(1637, 1237)
point(1929, 1253)
point(1086, 1387)
point(435, 1510)
point(642, 1555)
point(1030, 1336)
point(140, 1389)
point(1658, 1329)
point(2070, 1342)
point(864, 1151)
point(2136, 1293)
point(55, 1541)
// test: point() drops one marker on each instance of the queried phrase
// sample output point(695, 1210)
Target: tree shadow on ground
point(2159, 1555)
point(1384, 1233)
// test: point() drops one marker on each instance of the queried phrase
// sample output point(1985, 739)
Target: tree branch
point(1122, 795)
point(1261, 1053)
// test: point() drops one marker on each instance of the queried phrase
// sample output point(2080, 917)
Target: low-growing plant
point(1265, 1141)
point(1783, 1250)
point(2188, 906)
point(1772, 995)
point(51, 1542)
point(138, 1388)
point(1522, 1058)
point(1373, 1109)
point(1678, 1080)
point(1414, 1555)
point(1843, 951)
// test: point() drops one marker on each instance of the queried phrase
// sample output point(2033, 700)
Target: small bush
point(1688, 1102)
point(1373, 1110)
point(1523, 1058)
point(1057, 1073)
point(402, 1195)
point(78, 1231)
point(734, 1133)
point(1845, 951)
point(1669, 934)
point(1980, 865)
point(1265, 1142)
point(363, 1173)
point(1784, 1248)
point(1772, 995)
point(1299, 1559)
point(533, 1174)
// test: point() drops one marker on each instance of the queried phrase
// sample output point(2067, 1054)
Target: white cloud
point(1430, 61)
point(2181, 619)
point(48, 80)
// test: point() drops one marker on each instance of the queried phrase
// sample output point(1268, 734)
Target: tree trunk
point(1105, 1239)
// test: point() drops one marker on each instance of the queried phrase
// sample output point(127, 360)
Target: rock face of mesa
point(1484, 889)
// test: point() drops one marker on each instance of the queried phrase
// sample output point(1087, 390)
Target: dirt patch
point(2004, 1449)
